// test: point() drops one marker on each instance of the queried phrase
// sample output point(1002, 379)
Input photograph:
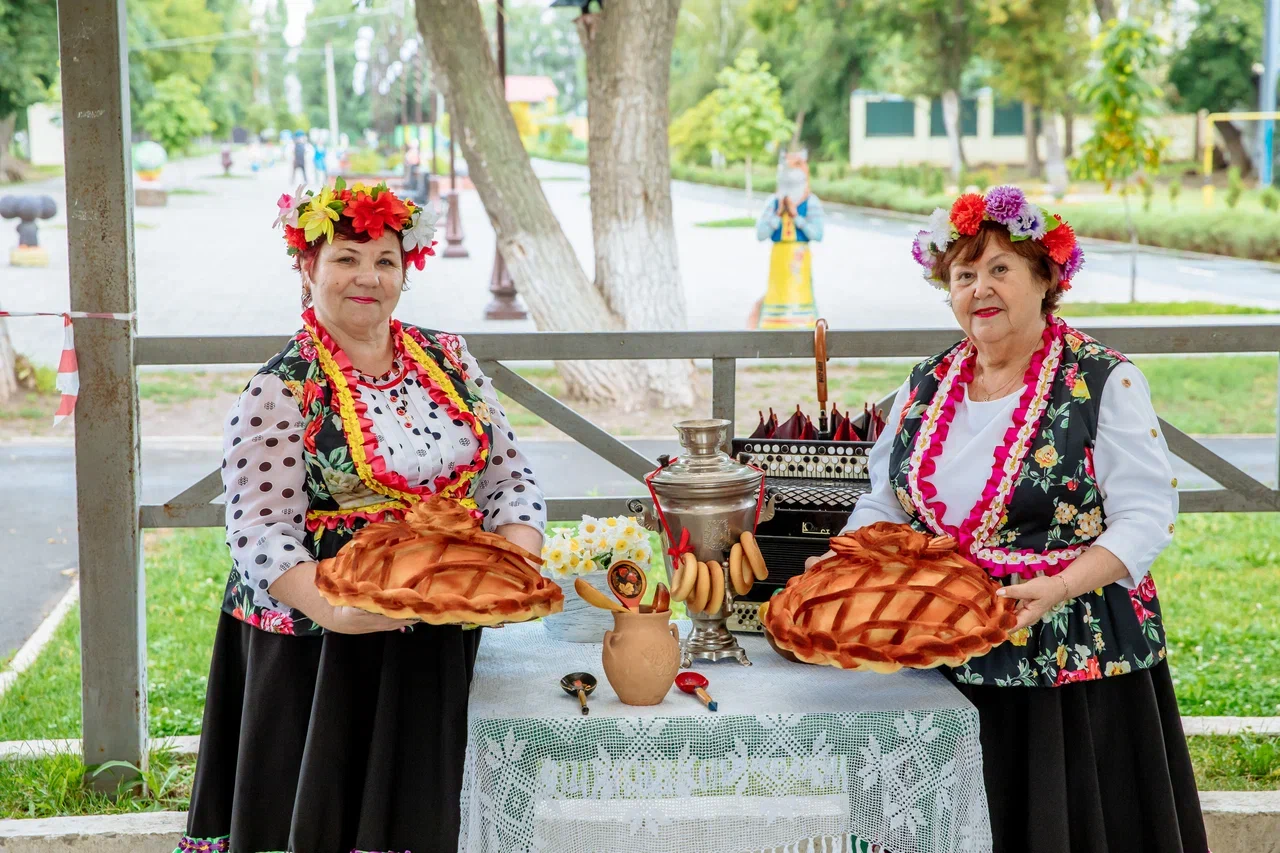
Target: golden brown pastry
point(439, 566)
point(889, 598)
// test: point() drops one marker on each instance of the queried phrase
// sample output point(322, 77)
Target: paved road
point(39, 539)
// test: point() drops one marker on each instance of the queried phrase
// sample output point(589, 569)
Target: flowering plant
point(307, 217)
point(1008, 206)
point(594, 545)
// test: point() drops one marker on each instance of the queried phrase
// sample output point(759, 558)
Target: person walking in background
point(299, 156)
point(791, 219)
point(319, 155)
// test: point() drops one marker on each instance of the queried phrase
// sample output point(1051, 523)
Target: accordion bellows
point(439, 566)
point(890, 598)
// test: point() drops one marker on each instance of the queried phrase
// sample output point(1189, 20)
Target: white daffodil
point(421, 230)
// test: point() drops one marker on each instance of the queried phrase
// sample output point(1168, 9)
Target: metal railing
point(1240, 491)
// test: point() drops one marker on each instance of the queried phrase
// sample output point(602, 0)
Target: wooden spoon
point(627, 583)
point(579, 684)
point(661, 599)
point(595, 597)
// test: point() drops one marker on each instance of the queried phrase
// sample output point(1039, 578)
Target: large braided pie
point(889, 598)
point(439, 566)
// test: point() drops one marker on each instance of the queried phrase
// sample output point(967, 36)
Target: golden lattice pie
point(889, 598)
point(439, 566)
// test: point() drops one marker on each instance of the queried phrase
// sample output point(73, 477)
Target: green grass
point(740, 222)
point(1236, 762)
point(61, 785)
point(188, 191)
point(1153, 309)
point(186, 572)
point(1218, 584)
point(1223, 395)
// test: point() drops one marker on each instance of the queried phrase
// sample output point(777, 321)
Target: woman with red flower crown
point(330, 729)
point(1037, 448)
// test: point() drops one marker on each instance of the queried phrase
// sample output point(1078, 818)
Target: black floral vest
point(1040, 510)
point(347, 483)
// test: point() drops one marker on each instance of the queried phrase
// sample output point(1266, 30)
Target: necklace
point(988, 394)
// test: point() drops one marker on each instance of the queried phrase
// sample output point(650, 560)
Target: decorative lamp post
point(27, 209)
point(453, 219)
point(505, 304)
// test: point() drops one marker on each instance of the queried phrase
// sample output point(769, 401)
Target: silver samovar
point(714, 498)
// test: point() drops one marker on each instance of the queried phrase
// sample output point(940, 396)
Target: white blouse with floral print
point(265, 479)
point(1135, 477)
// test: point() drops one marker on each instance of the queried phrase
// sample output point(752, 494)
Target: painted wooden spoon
point(627, 582)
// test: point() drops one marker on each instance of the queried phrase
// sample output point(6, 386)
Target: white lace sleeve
point(265, 483)
point(508, 491)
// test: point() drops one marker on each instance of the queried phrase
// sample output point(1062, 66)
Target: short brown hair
point(967, 248)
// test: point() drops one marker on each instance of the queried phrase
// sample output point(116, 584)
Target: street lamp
point(505, 304)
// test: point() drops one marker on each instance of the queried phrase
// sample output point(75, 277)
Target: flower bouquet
point(586, 551)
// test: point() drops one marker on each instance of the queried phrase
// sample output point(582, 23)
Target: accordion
point(815, 485)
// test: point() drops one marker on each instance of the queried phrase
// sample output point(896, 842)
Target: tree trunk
point(11, 168)
point(533, 245)
point(951, 118)
point(8, 365)
point(1133, 245)
point(628, 48)
point(1055, 163)
point(1237, 153)
point(1069, 134)
point(1029, 133)
point(1106, 10)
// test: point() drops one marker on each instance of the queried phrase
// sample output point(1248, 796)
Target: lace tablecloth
point(798, 757)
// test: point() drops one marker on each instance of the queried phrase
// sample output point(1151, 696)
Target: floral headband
point(1008, 206)
point(308, 217)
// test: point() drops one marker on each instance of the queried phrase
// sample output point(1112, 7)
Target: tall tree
point(1214, 70)
point(1038, 49)
point(750, 116)
point(820, 50)
point(28, 67)
point(353, 106)
point(543, 43)
point(537, 253)
point(941, 35)
point(709, 35)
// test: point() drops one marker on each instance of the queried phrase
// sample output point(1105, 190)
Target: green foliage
point(558, 139)
point(1244, 762)
point(59, 784)
point(28, 54)
point(750, 118)
point(1270, 199)
point(696, 132)
point(709, 34)
point(821, 51)
point(1214, 70)
point(1235, 187)
point(1148, 188)
point(257, 118)
point(938, 39)
point(353, 109)
point(1175, 190)
point(1122, 144)
point(1038, 50)
point(542, 45)
point(175, 116)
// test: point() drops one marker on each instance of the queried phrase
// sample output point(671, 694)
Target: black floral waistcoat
point(347, 484)
point(1040, 510)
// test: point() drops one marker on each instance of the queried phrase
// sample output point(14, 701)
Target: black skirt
point(333, 743)
point(1092, 767)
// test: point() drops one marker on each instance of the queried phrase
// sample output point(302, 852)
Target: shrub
point(1270, 199)
point(1235, 186)
point(363, 161)
point(1175, 190)
point(1148, 189)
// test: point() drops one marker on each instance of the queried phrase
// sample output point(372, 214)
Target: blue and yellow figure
point(792, 219)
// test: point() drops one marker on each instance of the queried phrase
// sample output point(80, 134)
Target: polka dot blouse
point(265, 478)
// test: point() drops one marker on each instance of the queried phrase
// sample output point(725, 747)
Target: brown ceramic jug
point(642, 656)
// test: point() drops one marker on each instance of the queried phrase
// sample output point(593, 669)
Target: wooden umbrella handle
point(820, 360)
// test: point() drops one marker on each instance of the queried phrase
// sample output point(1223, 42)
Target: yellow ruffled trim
point(445, 384)
point(351, 423)
point(385, 506)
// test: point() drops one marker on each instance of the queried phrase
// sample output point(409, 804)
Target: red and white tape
point(68, 381)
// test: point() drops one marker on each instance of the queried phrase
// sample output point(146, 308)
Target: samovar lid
point(703, 467)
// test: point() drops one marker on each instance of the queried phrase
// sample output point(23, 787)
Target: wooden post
point(95, 110)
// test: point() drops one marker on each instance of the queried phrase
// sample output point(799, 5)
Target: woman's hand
point(353, 620)
point(297, 588)
point(812, 561)
point(1036, 597)
point(524, 536)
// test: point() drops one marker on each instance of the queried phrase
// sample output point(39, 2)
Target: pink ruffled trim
point(933, 510)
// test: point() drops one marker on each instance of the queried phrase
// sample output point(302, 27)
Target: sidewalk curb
point(1237, 822)
point(31, 649)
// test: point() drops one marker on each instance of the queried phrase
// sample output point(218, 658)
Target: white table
point(795, 753)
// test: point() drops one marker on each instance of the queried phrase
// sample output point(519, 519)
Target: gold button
point(1154, 434)
point(1170, 528)
point(1174, 482)
point(1125, 382)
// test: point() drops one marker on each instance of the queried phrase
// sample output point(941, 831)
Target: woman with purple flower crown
point(1037, 449)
